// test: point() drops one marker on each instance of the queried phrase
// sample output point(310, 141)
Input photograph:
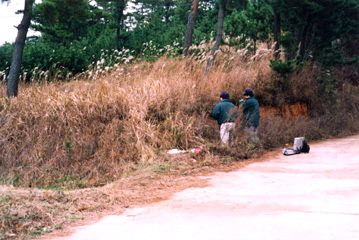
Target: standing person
point(224, 117)
point(250, 119)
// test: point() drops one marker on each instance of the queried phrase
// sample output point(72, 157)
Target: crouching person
point(225, 117)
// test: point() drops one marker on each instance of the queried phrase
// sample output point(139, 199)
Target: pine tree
point(13, 79)
point(221, 14)
point(190, 26)
point(62, 21)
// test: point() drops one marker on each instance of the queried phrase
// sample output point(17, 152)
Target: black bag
point(305, 148)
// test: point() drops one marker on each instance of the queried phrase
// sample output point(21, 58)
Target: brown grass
point(88, 133)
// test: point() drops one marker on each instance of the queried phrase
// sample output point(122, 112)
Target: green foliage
point(76, 34)
point(159, 22)
point(55, 59)
point(74, 40)
point(250, 24)
point(61, 60)
point(285, 69)
point(288, 42)
point(6, 51)
point(62, 21)
point(313, 25)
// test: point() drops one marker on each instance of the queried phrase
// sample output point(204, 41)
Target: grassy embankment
point(69, 135)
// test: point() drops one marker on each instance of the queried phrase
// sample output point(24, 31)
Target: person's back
point(221, 112)
point(251, 112)
point(224, 116)
point(250, 118)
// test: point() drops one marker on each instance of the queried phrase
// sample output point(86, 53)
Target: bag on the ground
point(298, 143)
point(289, 151)
point(300, 146)
point(305, 147)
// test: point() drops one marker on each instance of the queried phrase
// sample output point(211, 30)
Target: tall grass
point(90, 132)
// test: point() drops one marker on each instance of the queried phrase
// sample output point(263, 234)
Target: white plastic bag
point(289, 151)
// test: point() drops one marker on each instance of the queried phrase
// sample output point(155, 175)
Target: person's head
point(224, 95)
point(248, 93)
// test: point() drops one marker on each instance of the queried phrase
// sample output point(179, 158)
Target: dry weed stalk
point(88, 133)
point(78, 134)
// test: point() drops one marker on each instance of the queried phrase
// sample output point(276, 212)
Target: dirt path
point(308, 196)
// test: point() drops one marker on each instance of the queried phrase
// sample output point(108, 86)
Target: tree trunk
point(310, 39)
point(215, 48)
point(23, 27)
point(120, 8)
point(303, 42)
point(291, 52)
point(167, 13)
point(277, 30)
point(190, 26)
point(304, 38)
point(254, 47)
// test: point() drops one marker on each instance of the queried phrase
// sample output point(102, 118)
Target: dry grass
point(69, 135)
point(88, 133)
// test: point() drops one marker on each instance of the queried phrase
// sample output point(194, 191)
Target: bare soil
point(305, 196)
point(44, 214)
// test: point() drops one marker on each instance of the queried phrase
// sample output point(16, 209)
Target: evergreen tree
point(309, 27)
point(250, 23)
point(62, 21)
point(117, 17)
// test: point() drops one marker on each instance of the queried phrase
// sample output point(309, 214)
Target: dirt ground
point(50, 214)
point(27, 213)
point(305, 196)
point(145, 190)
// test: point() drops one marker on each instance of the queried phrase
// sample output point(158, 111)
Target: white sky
point(8, 19)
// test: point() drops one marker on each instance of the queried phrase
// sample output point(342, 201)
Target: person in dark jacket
point(224, 116)
point(250, 119)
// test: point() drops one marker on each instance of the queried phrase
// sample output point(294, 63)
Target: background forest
point(80, 35)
